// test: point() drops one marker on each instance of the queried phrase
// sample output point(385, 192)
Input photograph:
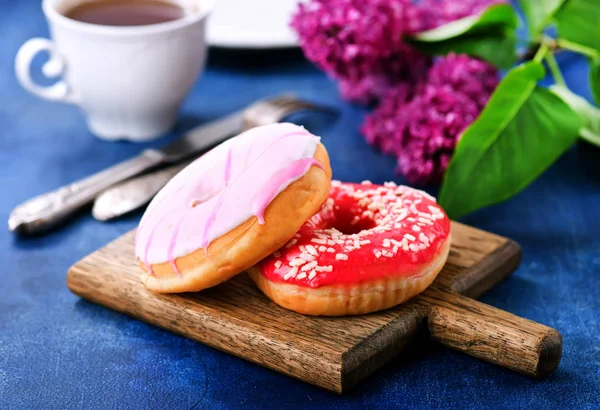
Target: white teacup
point(129, 81)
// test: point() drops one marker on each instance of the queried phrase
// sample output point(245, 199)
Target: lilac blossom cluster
point(421, 127)
point(423, 106)
point(360, 43)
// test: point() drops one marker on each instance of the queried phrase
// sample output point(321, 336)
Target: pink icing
point(294, 171)
point(222, 189)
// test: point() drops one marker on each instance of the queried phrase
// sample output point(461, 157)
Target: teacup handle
point(54, 67)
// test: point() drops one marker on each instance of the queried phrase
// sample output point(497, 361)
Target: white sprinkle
point(411, 219)
point(322, 248)
point(312, 274)
point(330, 242)
point(339, 242)
point(335, 183)
point(390, 184)
point(377, 254)
point(423, 238)
point(309, 266)
point(297, 262)
point(365, 242)
point(302, 248)
point(307, 256)
point(341, 257)
point(291, 274)
point(386, 243)
point(395, 250)
point(387, 254)
point(416, 228)
point(349, 248)
point(356, 244)
point(311, 249)
point(291, 243)
point(330, 250)
point(301, 275)
point(413, 247)
point(397, 226)
point(433, 209)
point(405, 247)
point(366, 182)
point(324, 268)
point(278, 264)
point(319, 241)
point(422, 246)
point(409, 237)
point(425, 221)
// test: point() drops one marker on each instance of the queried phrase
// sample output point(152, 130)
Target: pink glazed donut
point(231, 208)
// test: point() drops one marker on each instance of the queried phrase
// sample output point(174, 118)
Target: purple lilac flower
point(475, 78)
point(428, 129)
point(381, 127)
point(360, 43)
point(421, 125)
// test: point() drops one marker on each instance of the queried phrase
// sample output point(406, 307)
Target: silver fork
point(132, 194)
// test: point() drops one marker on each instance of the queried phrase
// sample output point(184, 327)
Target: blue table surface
point(58, 351)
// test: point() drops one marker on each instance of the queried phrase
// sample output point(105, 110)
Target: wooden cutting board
point(335, 353)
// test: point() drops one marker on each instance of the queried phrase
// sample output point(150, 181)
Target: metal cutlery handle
point(132, 194)
point(47, 210)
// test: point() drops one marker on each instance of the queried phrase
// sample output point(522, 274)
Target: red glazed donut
point(369, 248)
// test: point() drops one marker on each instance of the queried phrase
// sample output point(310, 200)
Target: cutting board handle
point(493, 335)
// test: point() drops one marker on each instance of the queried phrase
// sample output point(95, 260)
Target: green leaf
point(538, 13)
point(579, 21)
point(589, 115)
point(522, 130)
point(489, 35)
point(501, 15)
point(496, 47)
point(595, 79)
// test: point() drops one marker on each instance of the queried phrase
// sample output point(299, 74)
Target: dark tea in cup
point(125, 12)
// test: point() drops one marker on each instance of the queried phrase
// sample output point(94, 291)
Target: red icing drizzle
point(398, 231)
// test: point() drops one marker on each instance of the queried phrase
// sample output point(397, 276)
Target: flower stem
point(555, 70)
point(578, 48)
point(541, 52)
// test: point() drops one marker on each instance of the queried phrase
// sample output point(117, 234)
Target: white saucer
point(252, 24)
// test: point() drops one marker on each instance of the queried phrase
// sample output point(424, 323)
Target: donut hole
point(346, 223)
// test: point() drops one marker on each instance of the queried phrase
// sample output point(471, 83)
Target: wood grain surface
point(335, 353)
